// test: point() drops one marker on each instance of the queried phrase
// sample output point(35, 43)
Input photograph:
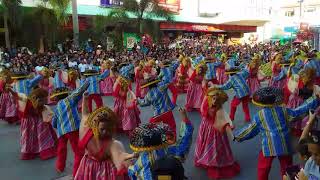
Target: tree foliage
point(144, 12)
point(60, 9)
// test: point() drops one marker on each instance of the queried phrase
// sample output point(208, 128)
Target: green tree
point(60, 9)
point(47, 23)
point(11, 13)
point(144, 11)
point(51, 15)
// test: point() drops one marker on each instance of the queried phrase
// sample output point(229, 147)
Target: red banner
point(170, 5)
point(83, 24)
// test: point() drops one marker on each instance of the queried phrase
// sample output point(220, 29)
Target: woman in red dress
point(124, 102)
point(105, 157)
point(45, 83)
point(297, 90)
point(276, 69)
point(221, 75)
point(106, 86)
point(182, 75)
point(195, 91)
point(37, 134)
point(138, 75)
point(253, 81)
point(8, 105)
point(212, 150)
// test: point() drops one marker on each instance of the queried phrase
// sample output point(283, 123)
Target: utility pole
point(300, 3)
point(75, 23)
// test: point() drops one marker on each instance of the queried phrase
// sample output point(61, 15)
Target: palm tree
point(47, 21)
point(51, 15)
point(11, 11)
point(144, 11)
point(60, 8)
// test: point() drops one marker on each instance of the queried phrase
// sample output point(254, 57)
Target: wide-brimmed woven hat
point(90, 72)
point(19, 75)
point(150, 82)
point(232, 70)
point(59, 92)
point(268, 97)
point(151, 136)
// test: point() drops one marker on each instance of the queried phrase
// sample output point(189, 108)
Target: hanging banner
point(130, 39)
point(170, 5)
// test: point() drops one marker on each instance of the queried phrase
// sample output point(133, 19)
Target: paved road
point(12, 168)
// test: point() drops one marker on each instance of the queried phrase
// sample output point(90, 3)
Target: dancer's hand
point(312, 116)
point(85, 109)
point(184, 115)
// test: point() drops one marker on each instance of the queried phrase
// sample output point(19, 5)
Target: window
point(310, 9)
point(289, 13)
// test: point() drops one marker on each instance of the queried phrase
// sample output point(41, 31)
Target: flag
point(129, 39)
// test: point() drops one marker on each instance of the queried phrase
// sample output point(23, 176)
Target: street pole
point(300, 2)
point(75, 23)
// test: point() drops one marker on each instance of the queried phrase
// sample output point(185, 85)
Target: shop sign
point(107, 3)
point(170, 5)
point(304, 26)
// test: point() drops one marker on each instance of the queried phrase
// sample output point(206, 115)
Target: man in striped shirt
point(66, 120)
point(211, 75)
point(94, 88)
point(24, 86)
point(237, 82)
point(166, 75)
point(57, 80)
point(272, 123)
point(158, 97)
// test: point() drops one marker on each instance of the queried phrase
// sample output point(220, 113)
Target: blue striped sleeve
point(33, 82)
point(145, 101)
point(54, 120)
point(245, 73)
point(281, 75)
point(311, 103)
point(183, 144)
point(249, 131)
point(77, 94)
point(104, 75)
point(227, 85)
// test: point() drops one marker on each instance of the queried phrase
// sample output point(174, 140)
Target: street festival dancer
point(155, 141)
point(94, 78)
point(125, 105)
point(106, 86)
point(38, 138)
point(166, 74)
point(105, 158)
point(272, 122)
point(162, 105)
point(195, 93)
point(23, 84)
point(237, 82)
point(213, 151)
point(66, 120)
point(8, 105)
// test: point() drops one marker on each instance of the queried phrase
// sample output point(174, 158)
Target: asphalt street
point(12, 168)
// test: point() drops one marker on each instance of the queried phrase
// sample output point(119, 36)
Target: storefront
point(189, 29)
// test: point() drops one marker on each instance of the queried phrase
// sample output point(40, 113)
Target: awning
point(206, 27)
